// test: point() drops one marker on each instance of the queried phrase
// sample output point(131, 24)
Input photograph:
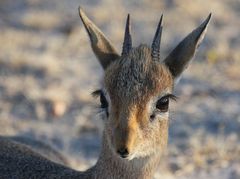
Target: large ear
point(178, 60)
point(101, 46)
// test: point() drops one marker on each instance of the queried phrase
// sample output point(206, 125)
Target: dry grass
point(47, 72)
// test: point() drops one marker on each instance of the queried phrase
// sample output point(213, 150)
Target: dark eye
point(162, 104)
point(103, 101)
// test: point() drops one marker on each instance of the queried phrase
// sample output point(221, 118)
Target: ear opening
point(178, 60)
point(102, 47)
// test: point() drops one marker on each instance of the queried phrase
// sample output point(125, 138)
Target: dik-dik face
point(138, 88)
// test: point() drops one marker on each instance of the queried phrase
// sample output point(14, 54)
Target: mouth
point(123, 156)
point(131, 157)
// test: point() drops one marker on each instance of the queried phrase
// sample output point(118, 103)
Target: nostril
point(123, 152)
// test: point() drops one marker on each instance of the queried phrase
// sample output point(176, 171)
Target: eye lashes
point(171, 96)
point(96, 93)
point(104, 104)
point(103, 100)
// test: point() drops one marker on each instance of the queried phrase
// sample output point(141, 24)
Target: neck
point(109, 165)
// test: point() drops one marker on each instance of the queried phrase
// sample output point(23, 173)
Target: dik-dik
point(135, 95)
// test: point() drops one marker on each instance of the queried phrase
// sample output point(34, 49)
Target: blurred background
point(48, 71)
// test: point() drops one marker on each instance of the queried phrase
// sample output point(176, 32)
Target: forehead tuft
point(137, 76)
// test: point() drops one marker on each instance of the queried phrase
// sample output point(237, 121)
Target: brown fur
point(133, 83)
point(138, 80)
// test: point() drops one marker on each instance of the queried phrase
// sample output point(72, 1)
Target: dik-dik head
point(137, 88)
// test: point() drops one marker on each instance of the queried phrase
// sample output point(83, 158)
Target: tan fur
point(138, 80)
point(132, 84)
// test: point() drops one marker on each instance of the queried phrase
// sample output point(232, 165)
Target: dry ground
point(47, 72)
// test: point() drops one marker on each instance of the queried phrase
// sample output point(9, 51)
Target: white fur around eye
point(163, 115)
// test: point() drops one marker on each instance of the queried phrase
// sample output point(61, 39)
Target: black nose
point(123, 152)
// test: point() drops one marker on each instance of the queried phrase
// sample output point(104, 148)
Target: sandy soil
point(48, 71)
